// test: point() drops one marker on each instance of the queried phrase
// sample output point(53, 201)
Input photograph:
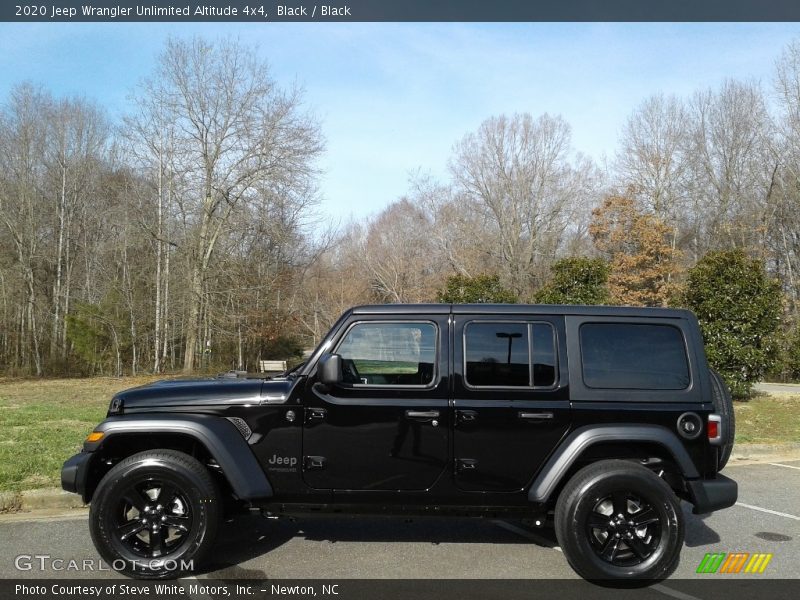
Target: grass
point(768, 419)
point(43, 422)
point(384, 367)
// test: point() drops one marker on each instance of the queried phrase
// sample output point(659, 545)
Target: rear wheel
point(618, 520)
point(723, 406)
point(155, 514)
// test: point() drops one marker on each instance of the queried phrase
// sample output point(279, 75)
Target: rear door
point(511, 403)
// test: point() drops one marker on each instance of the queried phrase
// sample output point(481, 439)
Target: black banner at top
point(399, 10)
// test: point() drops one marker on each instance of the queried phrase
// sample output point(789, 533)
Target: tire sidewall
point(582, 501)
point(203, 506)
point(723, 405)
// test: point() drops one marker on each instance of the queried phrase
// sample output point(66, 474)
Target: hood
point(204, 392)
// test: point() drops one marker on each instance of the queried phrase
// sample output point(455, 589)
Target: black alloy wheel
point(618, 521)
point(153, 518)
point(624, 529)
point(155, 515)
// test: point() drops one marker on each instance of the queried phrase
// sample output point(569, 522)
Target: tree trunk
point(166, 318)
point(159, 248)
point(67, 292)
point(193, 321)
point(202, 255)
point(37, 359)
point(128, 289)
point(62, 209)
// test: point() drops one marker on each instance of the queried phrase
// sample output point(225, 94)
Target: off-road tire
point(723, 406)
point(600, 485)
point(192, 490)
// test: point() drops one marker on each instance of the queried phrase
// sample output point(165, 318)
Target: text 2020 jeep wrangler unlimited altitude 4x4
point(601, 418)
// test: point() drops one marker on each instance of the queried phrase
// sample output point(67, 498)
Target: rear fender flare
point(560, 462)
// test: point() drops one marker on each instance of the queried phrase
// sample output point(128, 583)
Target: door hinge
point(313, 462)
point(466, 464)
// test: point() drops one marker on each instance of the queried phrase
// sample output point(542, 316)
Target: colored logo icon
point(734, 562)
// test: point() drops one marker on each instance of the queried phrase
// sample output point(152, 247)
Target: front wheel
point(155, 515)
point(618, 520)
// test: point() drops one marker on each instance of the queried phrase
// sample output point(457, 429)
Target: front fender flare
point(579, 440)
point(218, 435)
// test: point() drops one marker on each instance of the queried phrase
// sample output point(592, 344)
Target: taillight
point(714, 429)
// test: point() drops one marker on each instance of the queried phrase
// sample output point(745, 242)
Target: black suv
point(598, 420)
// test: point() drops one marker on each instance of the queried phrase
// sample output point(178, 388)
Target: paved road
point(767, 519)
point(778, 388)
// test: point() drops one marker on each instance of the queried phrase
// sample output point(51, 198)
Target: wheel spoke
point(178, 522)
point(620, 501)
point(166, 493)
point(598, 521)
point(130, 528)
point(644, 517)
point(156, 541)
point(137, 498)
point(609, 549)
point(639, 548)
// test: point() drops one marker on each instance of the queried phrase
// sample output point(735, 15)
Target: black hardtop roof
point(519, 309)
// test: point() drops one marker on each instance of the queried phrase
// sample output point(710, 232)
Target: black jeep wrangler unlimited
point(596, 419)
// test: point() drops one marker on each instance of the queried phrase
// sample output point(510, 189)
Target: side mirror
point(330, 369)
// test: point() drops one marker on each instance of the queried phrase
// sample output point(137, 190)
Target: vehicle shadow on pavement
point(249, 536)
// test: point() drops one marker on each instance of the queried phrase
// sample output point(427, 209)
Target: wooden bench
point(271, 366)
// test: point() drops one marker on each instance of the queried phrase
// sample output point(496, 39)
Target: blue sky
point(393, 98)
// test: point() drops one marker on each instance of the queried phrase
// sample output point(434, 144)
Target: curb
point(34, 500)
point(765, 452)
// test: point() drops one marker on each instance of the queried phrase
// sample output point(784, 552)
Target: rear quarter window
point(633, 356)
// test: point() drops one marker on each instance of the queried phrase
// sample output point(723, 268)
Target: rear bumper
point(709, 495)
point(74, 474)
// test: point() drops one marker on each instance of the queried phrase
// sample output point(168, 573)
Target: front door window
point(389, 354)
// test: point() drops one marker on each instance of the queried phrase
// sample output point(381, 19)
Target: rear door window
point(498, 354)
point(633, 356)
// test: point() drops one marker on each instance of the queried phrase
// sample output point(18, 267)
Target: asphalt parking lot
point(766, 520)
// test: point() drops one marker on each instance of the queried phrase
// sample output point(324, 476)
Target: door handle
point(466, 464)
point(466, 416)
point(422, 414)
point(536, 416)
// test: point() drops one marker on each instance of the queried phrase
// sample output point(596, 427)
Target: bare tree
point(398, 256)
point(785, 221)
point(651, 160)
point(238, 135)
point(521, 173)
point(78, 132)
point(150, 133)
point(460, 235)
point(732, 167)
point(23, 137)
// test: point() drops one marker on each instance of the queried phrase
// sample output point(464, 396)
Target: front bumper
point(709, 495)
point(75, 472)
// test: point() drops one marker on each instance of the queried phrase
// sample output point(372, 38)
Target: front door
point(386, 426)
point(510, 400)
